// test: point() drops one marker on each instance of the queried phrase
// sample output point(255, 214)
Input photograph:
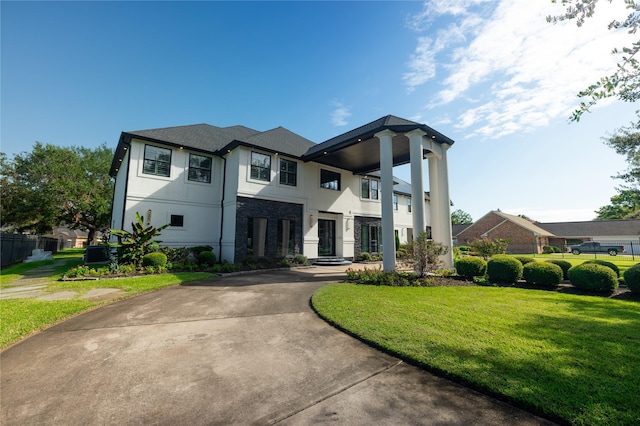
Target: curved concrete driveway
point(240, 350)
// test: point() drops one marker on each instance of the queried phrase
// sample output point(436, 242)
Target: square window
point(157, 161)
point(288, 172)
point(177, 220)
point(199, 168)
point(260, 166)
point(329, 180)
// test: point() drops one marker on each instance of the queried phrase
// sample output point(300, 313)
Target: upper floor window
point(260, 166)
point(409, 204)
point(395, 202)
point(375, 187)
point(365, 188)
point(199, 168)
point(288, 172)
point(157, 161)
point(329, 180)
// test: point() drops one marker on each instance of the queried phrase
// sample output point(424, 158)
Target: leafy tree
point(624, 83)
point(625, 205)
point(52, 186)
point(460, 217)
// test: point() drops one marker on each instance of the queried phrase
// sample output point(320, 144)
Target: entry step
point(331, 261)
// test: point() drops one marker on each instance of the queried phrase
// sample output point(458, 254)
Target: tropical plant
point(132, 246)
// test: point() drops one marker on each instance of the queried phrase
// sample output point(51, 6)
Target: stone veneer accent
point(358, 221)
point(273, 211)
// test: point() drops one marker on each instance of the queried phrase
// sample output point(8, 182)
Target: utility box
point(97, 255)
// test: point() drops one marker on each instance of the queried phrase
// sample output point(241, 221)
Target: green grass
point(570, 358)
point(22, 317)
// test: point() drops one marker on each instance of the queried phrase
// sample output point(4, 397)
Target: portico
point(383, 144)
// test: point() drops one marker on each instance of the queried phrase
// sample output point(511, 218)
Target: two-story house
point(275, 193)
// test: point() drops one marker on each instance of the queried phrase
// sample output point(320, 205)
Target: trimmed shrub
point(632, 278)
point(300, 259)
point(504, 269)
point(199, 249)
point(366, 256)
point(607, 264)
point(562, 264)
point(471, 266)
point(593, 277)
point(155, 259)
point(542, 274)
point(551, 249)
point(207, 258)
point(525, 259)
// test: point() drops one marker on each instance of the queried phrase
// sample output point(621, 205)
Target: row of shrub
point(592, 275)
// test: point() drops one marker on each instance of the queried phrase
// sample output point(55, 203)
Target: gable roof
point(521, 222)
point(594, 227)
point(278, 140)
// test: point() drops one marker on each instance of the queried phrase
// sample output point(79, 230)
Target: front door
point(326, 237)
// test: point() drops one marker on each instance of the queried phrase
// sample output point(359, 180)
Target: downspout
point(224, 186)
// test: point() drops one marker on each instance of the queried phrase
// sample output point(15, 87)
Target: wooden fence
point(16, 248)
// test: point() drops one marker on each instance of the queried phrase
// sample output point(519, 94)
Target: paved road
point(238, 350)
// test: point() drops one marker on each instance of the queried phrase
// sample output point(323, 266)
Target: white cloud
point(520, 70)
point(340, 114)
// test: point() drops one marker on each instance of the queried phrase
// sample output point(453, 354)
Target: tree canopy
point(624, 82)
point(460, 217)
point(53, 186)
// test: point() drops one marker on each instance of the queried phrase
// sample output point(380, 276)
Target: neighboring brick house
point(525, 236)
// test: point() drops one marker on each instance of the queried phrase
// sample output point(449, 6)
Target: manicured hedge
point(542, 274)
point(525, 259)
point(607, 264)
point(593, 277)
point(155, 258)
point(207, 258)
point(632, 278)
point(504, 269)
point(562, 264)
point(471, 266)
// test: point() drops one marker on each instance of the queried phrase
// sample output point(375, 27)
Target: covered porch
point(383, 144)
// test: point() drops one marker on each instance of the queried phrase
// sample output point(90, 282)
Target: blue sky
point(492, 75)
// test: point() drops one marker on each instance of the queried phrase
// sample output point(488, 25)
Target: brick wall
point(273, 211)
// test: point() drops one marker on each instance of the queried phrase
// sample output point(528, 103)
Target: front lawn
point(570, 358)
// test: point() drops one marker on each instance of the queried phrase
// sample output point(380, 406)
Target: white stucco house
point(274, 193)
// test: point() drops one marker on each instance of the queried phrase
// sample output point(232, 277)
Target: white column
point(386, 173)
point(434, 195)
point(446, 235)
point(417, 180)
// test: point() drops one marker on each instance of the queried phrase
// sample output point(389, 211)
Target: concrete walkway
point(240, 350)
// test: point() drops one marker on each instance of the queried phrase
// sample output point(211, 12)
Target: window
point(365, 188)
point(409, 204)
point(370, 237)
point(177, 220)
point(329, 180)
point(286, 234)
point(199, 168)
point(288, 172)
point(375, 187)
point(157, 161)
point(256, 236)
point(260, 166)
point(395, 202)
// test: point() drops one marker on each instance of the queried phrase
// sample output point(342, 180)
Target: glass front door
point(326, 237)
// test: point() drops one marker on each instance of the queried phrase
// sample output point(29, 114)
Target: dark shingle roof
point(278, 140)
point(591, 228)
